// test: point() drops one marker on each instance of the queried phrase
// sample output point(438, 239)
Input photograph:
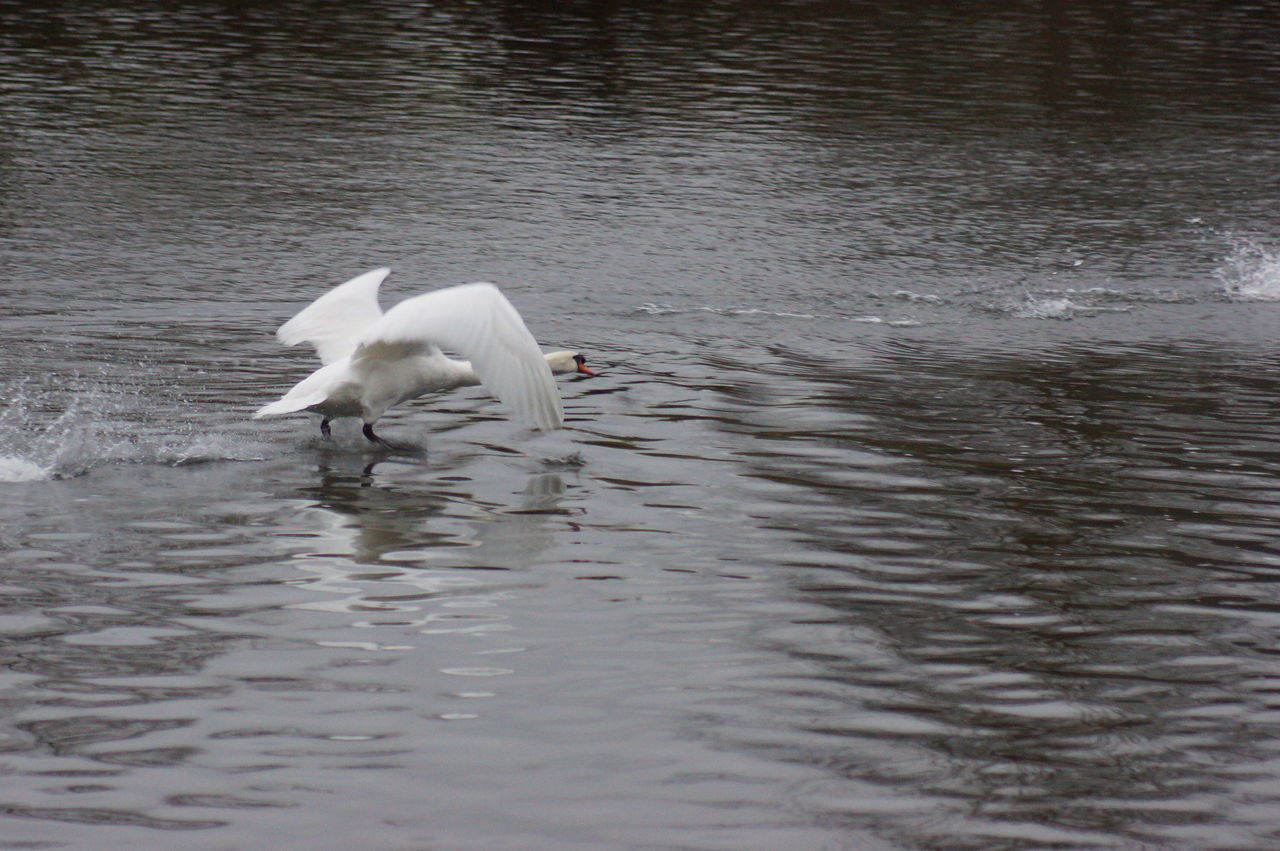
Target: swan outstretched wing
point(477, 322)
point(336, 322)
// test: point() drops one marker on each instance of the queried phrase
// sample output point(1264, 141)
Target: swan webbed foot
point(387, 444)
point(324, 427)
point(374, 438)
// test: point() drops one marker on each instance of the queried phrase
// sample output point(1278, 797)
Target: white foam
point(1063, 305)
point(1045, 308)
point(1251, 272)
point(661, 309)
point(15, 469)
point(656, 309)
point(206, 449)
point(917, 298)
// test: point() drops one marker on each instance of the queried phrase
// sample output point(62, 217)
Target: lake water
point(928, 495)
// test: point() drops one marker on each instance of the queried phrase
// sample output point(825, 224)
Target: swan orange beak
point(586, 370)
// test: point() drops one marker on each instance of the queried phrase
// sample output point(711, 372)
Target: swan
point(374, 360)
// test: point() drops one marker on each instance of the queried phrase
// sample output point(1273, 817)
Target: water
point(926, 497)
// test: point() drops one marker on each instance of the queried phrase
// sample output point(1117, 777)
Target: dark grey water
point(928, 495)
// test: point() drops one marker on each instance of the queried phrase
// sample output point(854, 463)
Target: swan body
point(374, 360)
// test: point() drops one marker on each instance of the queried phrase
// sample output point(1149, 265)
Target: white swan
point(373, 360)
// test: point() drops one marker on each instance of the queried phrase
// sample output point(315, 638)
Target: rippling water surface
point(927, 495)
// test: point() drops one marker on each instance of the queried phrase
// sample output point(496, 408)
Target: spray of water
point(1250, 271)
point(57, 435)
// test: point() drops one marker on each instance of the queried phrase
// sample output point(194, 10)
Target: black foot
point(368, 432)
point(324, 427)
point(404, 448)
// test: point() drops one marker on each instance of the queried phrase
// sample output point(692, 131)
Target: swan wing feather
point(336, 321)
point(477, 322)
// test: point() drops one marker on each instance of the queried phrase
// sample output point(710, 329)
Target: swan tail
point(313, 390)
point(289, 404)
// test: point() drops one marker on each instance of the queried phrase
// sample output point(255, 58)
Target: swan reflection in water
point(395, 547)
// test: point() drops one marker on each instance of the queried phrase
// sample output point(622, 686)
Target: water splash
point(1250, 272)
point(15, 469)
point(918, 298)
point(57, 435)
point(1067, 304)
point(662, 309)
point(39, 442)
point(1033, 307)
point(654, 309)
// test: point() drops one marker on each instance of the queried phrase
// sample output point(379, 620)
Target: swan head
point(568, 362)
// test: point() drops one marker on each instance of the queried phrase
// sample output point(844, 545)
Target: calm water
point(927, 497)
